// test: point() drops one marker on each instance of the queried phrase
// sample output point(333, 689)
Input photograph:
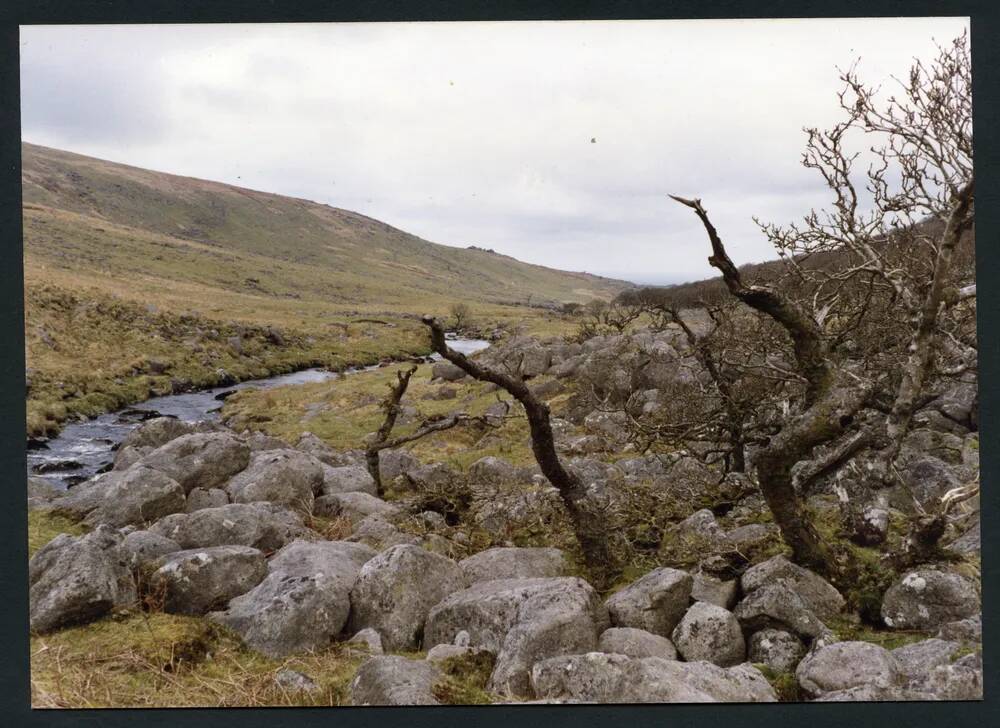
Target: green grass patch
point(857, 631)
point(465, 678)
point(44, 526)
point(344, 411)
point(786, 687)
point(161, 660)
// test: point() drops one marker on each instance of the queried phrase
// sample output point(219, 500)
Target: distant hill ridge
point(90, 213)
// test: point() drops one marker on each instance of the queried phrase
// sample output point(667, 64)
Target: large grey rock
point(120, 498)
point(779, 650)
point(817, 593)
point(349, 479)
point(592, 677)
point(969, 543)
point(633, 642)
point(492, 469)
point(126, 456)
point(613, 426)
point(942, 445)
point(393, 463)
point(699, 527)
point(925, 599)
point(656, 602)
point(263, 526)
point(304, 601)
point(136, 496)
point(141, 548)
point(647, 467)
point(258, 441)
point(157, 432)
point(395, 591)
point(200, 460)
point(504, 512)
point(566, 368)
point(200, 498)
point(751, 536)
point(514, 563)
point(447, 371)
point(522, 621)
point(845, 665)
point(519, 355)
point(926, 479)
point(41, 491)
point(496, 413)
point(584, 445)
point(873, 693)
point(710, 633)
point(610, 678)
point(377, 532)
point(355, 506)
point(371, 640)
point(196, 581)
point(81, 499)
point(432, 475)
point(777, 606)
point(958, 681)
point(711, 589)
point(312, 445)
point(969, 629)
point(916, 658)
point(78, 579)
point(393, 680)
point(960, 403)
point(287, 477)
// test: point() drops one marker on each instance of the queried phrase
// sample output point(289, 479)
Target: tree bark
point(588, 524)
point(391, 406)
point(832, 399)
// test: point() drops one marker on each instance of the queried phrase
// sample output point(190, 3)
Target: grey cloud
point(481, 133)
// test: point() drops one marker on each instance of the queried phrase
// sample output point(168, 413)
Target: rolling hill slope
point(139, 283)
point(110, 217)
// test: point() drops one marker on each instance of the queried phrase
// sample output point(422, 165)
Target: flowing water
point(84, 448)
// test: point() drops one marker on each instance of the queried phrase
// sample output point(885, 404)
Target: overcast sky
point(552, 142)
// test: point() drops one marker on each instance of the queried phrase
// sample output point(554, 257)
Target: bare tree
point(461, 314)
point(868, 285)
point(603, 317)
point(391, 406)
point(831, 400)
point(588, 523)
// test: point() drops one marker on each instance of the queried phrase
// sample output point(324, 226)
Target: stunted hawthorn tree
point(390, 405)
point(587, 520)
point(872, 307)
point(601, 318)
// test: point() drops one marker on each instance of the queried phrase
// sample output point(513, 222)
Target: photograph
point(499, 363)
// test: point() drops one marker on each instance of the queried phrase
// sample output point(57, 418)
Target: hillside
point(103, 217)
point(140, 283)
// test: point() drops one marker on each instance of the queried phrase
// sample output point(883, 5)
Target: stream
point(82, 449)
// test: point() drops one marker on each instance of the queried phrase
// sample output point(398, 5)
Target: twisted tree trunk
point(832, 399)
point(588, 524)
point(381, 440)
point(391, 406)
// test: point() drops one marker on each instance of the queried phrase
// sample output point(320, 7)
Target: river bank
point(83, 449)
